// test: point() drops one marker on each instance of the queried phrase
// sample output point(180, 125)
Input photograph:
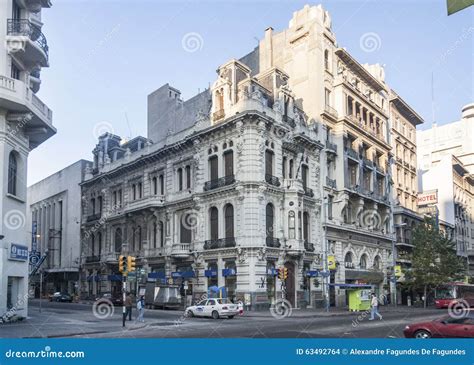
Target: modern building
point(25, 123)
point(446, 163)
point(403, 123)
point(54, 215)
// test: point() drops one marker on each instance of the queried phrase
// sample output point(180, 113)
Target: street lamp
point(325, 251)
point(393, 284)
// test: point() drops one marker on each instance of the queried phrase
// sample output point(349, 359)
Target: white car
point(214, 307)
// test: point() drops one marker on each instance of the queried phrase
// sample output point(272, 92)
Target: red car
point(442, 328)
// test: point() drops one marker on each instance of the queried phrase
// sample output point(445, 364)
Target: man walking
point(141, 309)
point(374, 304)
point(128, 306)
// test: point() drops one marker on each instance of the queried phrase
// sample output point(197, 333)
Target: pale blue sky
point(107, 56)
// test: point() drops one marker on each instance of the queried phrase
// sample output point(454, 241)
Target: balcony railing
point(331, 182)
point(272, 180)
point(349, 265)
point(330, 110)
point(368, 162)
point(218, 183)
point(352, 153)
point(273, 242)
point(181, 250)
point(308, 246)
point(218, 114)
point(94, 217)
point(219, 243)
point(286, 119)
point(23, 27)
point(94, 258)
point(331, 147)
point(308, 191)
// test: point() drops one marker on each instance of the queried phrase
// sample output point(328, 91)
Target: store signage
point(427, 197)
point(210, 273)
point(398, 271)
point(331, 262)
point(18, 252)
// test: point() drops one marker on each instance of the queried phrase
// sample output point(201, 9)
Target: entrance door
point(290, 283)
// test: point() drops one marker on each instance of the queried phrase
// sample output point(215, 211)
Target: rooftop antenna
point(129, 127)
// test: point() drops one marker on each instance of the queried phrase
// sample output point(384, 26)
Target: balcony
point(379, 169)
point(351, 153)
point(26, 41)
point(308, 246)
point(331, 183)
point(404, 242)
point(287, 120)
point(218, 114)
point(330, 111)
point(219, 243)
point(272, 180)
point(92, 259)
point(111, 257)
point(308, 191)
point(181, 250)
point(331, 147)
point(218, 183)
point(93, 217)
point(368, 163)
point(273, 242)
point(143, 203)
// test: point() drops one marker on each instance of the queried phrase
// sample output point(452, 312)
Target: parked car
point(60, 297)
point(214, 308)
point(443, 327)
point(115, 299)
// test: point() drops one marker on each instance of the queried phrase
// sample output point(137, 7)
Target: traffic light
point(131, 263)
point(123, 264)
point(283, 273)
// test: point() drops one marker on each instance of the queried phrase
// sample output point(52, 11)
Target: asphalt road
point(78, 320)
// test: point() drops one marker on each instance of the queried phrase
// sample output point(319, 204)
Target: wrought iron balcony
point(308, 191)
point(331, 182)
point(351, 153)
point(272, 180)
point(23, 27)
point(218, 183)
point(94, 217)
point(273, 242)
point(331, 147)
point(308, 246)
point(219, 243)
point(287, 120)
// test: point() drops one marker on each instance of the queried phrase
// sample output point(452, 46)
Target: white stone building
point(25, 123)
point(54, 213)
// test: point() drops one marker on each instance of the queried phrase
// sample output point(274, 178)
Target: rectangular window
point(188, 177)
point(327, 97)
point(213, 168)
point(15, 74)
point(330, 202)
point(229, 163)
point(268, 163)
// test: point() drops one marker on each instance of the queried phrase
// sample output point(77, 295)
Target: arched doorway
point(290, 283)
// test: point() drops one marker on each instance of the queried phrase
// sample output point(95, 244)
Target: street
point(78, 320)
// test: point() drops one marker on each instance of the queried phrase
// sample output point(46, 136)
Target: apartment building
point(25, 123)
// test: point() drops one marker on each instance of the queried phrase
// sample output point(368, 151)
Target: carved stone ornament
point(241, 255)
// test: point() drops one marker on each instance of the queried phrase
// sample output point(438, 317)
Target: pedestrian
point(128, 306)
point(141, 309)
point(374, 304)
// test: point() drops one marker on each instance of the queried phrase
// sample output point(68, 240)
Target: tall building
point(283, 162)
point(446, 165)
point(54, 213)
point(403, 123)
point(25, 123)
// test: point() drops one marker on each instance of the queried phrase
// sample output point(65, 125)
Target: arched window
point(377, 263)
point(188, 177)
point(180, 179)
point(326, 60)
point(306, 226)
point(290, 172)
point(155, 234)
point(214, 223)
point(229, 220)
point(162, 184)
point(92, 207)
point(92, 245)
point(99, 243)
point(268, 163)
point(118, 240)
point(138, 239)
point(134, 192)
point(283, 167)
point(348, 258)
point(291, 224)
point(155, 185)
point(140, 190)
point(363, 261)
point(12, 173)
point(185, 229)
point(304, 176)
point(213, 168)
point(229, 163)
point(269, 218)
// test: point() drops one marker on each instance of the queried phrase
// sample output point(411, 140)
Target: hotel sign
point(428, 197)
point(18, 252)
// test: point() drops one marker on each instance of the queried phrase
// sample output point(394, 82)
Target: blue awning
point(183, 274)
point(114, 277)
point(312, 273)
point(228, 272)
point(352, 286)
point(157, 275)
point(272, 271)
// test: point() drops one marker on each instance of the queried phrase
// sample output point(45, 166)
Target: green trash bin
point(359, 300)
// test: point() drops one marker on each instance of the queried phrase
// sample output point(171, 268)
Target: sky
point(107, 56)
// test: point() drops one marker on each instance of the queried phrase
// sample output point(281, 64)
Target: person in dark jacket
point(128, 306)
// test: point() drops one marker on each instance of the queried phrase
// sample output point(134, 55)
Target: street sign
point(332, 262)
point(18, 252)
point(34, 258)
